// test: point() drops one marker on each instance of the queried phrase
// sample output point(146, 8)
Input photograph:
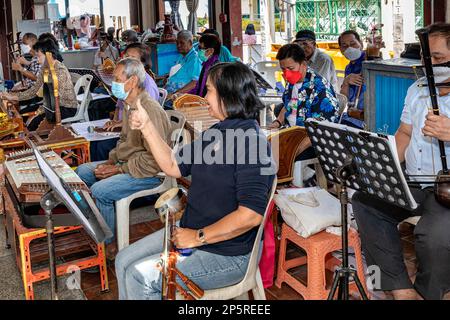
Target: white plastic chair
point(82, 114)
point(178, 121)
point(343, 100)
point(75, 77)
point(162, 96)
point(267, 69)
point(252, 279)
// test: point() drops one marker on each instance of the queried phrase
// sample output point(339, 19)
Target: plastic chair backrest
point(268, 69)
point(253, 261)
point(285, 147)
point(75, 77)
point(177, 120)
point(342, 102)
point(162, 96)
point(83, 83)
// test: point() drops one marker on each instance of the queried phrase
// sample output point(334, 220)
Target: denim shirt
point(191, 66)
point(316, 99)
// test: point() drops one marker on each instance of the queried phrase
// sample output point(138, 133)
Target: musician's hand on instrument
point(8, 96)
point(139, 118)
point(175, 96)
point(354, 79)
point(110, 125)
point(185, 238)
point(16, 66)
point(104, 164)
point(23, 61)
point(437, 127)
point(107, 171)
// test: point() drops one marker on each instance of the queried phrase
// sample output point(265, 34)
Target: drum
point(173, 201)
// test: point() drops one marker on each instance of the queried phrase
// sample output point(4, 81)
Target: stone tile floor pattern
point(143, 224)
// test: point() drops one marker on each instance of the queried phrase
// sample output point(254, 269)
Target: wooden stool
point(318, 249)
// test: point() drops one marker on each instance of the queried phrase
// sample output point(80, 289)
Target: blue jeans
point(106, 192)
point(138, 277)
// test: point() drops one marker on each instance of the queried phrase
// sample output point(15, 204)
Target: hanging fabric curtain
point(175, 15)
point(192, 6)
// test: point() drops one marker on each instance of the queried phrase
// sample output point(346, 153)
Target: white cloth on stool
point(306, 220)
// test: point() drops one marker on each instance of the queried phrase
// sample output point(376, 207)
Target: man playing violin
point(417, 145)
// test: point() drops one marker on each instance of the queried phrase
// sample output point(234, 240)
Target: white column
point(398, 17)
point(409, 21)
point(16, 10)
point(388, 28)
point(265, 29)
point(447, 19)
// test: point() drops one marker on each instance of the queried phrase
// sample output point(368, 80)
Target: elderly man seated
point(184, 75)
point(319, 61)
point(131, 166)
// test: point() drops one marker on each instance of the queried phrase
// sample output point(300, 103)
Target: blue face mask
point(118, 90)
point(202, 55)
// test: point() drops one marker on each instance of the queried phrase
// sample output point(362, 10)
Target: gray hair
point(134, 67)
point(185, 35)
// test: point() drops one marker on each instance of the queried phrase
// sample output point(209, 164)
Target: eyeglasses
point(303, 43)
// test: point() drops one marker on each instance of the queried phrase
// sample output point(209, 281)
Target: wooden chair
point(189, 100)
point(285, 148)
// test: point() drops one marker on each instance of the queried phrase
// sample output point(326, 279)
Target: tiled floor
point(91, 282)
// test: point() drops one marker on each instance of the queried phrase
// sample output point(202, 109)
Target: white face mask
point(25, 48)
point(352, 54)
point(440, 71)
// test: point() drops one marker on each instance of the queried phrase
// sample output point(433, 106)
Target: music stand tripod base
point(48, 203)
point(345, 273)
point(365, 162)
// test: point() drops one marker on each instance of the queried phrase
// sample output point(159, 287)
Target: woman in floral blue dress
point(307, 95)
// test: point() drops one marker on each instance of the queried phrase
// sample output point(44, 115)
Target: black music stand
point(78, 202)
point(365, 162)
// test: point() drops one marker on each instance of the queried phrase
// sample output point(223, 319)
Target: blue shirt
point(316, 99)
point(225, 54)
point(356, 67)
point(239, 173)
point(422, 156)
point(191, 66)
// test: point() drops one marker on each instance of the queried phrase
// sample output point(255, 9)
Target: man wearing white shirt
point(318, 60)
point(417, 144)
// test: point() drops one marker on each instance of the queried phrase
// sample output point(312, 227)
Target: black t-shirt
point(231, 166)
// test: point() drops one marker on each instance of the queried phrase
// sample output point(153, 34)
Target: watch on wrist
point(279, 123)
point(201, 236)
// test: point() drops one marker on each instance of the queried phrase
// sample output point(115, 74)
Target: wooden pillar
point(232, 29)
point(102, 14)
point(213, 19)
point(5, 28)
point(439, 10)
point(136, 13)
point(159, 10)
